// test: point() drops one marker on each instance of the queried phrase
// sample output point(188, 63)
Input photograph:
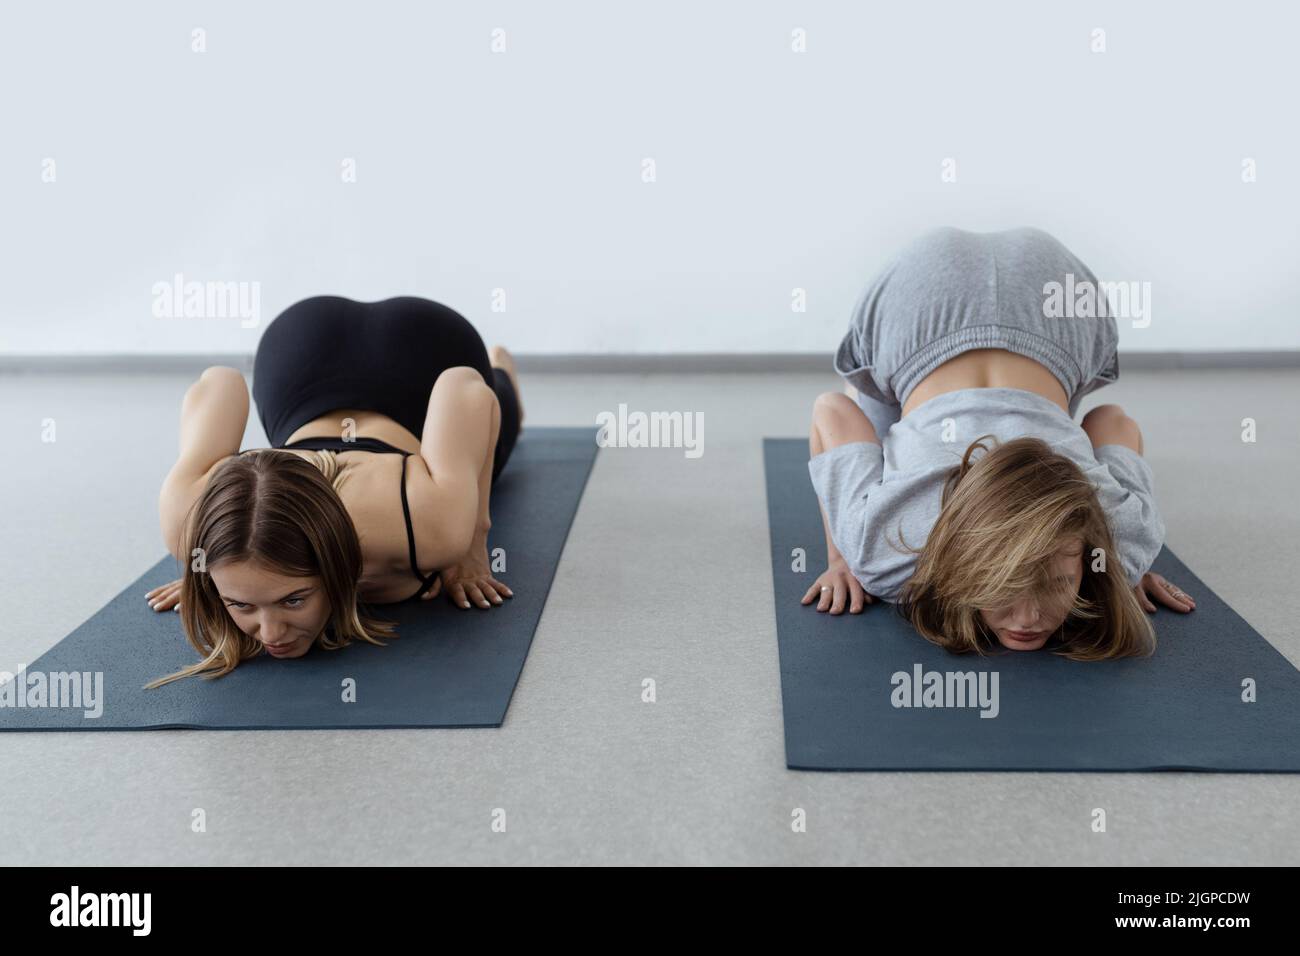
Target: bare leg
point(502, 359)
point(882, 416)
point(838, 422)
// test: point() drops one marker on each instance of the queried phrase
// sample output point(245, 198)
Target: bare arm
point(460, 433)
point(213, 417)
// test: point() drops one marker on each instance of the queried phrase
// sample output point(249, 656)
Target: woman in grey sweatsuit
point(880, 474)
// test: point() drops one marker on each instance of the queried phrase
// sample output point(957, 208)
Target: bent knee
point(838, 419)
point(1110, 425)
point(833, 403)
point(1105, 412)
point(835, 410)
point(460, 375)
point(222, 371)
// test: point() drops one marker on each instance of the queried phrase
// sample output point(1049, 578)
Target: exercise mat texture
point(449, 667)
point(854, 686)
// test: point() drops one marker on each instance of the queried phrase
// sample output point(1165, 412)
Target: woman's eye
point(236, 605)
point(294, 602)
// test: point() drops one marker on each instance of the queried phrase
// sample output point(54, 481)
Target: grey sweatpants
point(951, 291)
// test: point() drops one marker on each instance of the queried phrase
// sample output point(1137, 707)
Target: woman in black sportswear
point(389, 424)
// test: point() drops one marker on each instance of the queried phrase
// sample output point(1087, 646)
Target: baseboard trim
point(578, 363)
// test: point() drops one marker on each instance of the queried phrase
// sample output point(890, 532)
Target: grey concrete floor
point(665, 575)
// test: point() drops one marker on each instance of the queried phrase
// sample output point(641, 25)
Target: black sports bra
point(379, 448)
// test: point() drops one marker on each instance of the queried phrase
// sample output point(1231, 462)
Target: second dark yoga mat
point(448, 668)
point(1181, 709)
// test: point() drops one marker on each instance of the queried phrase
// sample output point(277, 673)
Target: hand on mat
point(836, 585)
point(165, 597)
point(470, 579)
point(1165, 592)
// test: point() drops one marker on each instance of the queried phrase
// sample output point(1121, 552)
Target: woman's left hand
point(1165, 592)
point(470, 579)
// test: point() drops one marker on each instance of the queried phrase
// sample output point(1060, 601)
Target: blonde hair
point(1002, 520)
point(275, 507)
point(327, 463)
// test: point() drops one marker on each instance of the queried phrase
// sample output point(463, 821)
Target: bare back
point(988, 368)
point(370, 490)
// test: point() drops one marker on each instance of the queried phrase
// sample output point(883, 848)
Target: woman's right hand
point(836, 585)
point(470, 579)
point(165, 597)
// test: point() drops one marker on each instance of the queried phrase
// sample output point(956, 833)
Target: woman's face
point(285, 613)
point(1027, 624)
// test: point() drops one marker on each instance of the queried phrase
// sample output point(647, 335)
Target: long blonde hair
point(1002, 520)
point(273, 506)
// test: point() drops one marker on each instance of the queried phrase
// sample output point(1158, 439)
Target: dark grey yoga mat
point(449, 668)
point(1179, 710)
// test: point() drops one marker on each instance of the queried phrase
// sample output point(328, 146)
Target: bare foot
point(502, 359)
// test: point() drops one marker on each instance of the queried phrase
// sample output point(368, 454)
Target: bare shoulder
point(372, 494)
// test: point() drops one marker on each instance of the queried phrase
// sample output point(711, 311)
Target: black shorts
point(328, 352)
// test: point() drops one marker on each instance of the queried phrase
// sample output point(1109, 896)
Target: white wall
point(522, 170)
